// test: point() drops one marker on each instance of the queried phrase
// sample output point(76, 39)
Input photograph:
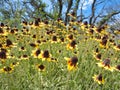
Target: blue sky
point(87, 7)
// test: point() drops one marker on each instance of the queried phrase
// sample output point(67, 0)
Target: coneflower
point(98, 78)
point(72, 63)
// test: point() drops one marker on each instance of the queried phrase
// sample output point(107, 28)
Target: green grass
point(25, 76)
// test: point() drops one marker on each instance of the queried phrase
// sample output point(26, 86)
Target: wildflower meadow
point(50, 55)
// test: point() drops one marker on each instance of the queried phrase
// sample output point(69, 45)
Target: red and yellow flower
point(106, 65)
point(72, 63)
point(99, 79)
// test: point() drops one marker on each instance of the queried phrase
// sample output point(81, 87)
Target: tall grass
point(56, 76)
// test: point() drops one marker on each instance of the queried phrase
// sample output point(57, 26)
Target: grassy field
point(52, 56)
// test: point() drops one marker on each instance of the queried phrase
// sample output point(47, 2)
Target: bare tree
point(76, 7)
point(70, 3)
point(60, 8)
point(93, 11)
point(100, 12)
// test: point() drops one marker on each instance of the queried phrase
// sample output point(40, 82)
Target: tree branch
point(93, 11)
point(70, 3)
point(106, 18)
point(76, 7)
point(60, 8)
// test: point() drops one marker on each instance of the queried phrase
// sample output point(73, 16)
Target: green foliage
point(26, 75)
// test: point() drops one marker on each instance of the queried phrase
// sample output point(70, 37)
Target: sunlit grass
point(50, 55)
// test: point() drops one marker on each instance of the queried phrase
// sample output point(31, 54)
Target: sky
point(86, 6)
point(87, 3)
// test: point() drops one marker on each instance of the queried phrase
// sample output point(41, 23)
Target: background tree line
point(99, 12)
